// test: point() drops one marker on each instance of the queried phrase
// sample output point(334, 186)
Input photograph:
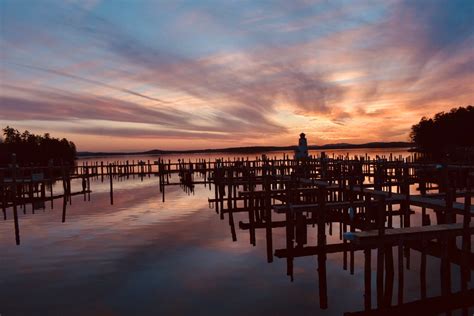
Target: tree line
point(31, 149)
point(446, 131)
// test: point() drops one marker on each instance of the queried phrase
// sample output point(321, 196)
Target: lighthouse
point(301, 151)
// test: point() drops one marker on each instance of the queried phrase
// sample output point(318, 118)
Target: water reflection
point(382, 271)
point(297, 225)
point(142, 256)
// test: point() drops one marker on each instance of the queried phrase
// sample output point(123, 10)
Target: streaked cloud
point(238, 72)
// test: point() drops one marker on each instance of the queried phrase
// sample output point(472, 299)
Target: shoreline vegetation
point(31, 149)
point(447, 136)
point(250, 149)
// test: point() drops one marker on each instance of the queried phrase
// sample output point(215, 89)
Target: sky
point(137, 75)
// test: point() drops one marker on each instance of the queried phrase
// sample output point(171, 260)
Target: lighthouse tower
point(302, 151)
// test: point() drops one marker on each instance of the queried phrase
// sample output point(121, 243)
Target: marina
point(384, 210)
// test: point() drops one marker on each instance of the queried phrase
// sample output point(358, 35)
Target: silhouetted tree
point(35, 149)
point(445, 131)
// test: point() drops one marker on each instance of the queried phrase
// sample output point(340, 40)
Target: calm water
point(144, 257)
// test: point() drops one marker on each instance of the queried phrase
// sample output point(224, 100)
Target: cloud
point(62, 107)
point(144, 133)
point(91, 81)
point(56, 105)
point(232, 70)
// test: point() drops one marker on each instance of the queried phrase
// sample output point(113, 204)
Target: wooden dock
point(372, 204)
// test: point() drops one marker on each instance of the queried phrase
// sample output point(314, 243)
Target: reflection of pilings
point(389, 276)
point(400, 273)
point(342, 197)
point(380, 253)
point(429, 306)
point(423, 271)
point(268, 219)
point(64, 208)
point(317, 192)
point(466, 240)
point(14, 197)
point(323, 286)
point(323, 296)
point(367, 279)
point(289, 242)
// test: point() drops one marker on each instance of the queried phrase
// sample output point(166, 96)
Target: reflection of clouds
point(171, 258)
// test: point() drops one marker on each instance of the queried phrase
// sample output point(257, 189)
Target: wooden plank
point(456, 256)
point(331, 205)
point(435, 249)
point(417, 200)
point(315, 250)
point(334, 217)
point(407, 233)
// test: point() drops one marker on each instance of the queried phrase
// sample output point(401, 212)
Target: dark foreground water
point(144, 257)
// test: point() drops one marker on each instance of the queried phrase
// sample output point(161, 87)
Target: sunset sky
point(138, 75)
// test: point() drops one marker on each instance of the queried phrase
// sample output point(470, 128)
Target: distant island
point(251, 149)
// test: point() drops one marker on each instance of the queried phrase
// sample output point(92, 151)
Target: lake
point(141, 256)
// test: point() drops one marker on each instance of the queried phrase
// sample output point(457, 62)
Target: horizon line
point(378, 144)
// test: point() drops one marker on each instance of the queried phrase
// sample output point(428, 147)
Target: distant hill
point(366, 145)
point(250, 149)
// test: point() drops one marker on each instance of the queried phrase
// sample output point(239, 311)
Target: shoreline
point(250, 149)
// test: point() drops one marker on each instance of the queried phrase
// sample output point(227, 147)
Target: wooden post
point(251, 209)
point(216, 191)
point(89, 174)
point(84, 183)
point(268, 220)
point(230, 204)
point(65, 194)
point(112, 186)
